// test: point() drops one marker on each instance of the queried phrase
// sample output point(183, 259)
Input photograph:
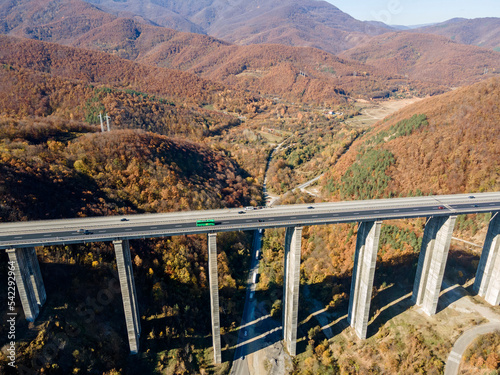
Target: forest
point(181, 141)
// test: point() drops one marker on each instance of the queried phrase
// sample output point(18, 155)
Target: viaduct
point(19, 240)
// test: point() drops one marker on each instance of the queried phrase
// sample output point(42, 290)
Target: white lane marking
point(178, 226)
point(128, 229)
point(153, 227)
point(102, 231)
point(18, 237)
point(455, 357)
point(47, 235)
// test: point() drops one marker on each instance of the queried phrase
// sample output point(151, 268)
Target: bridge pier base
point(214, 295)
point(129, 295)
point(487, 283)
point(28, 280)
point(432, 262)
point(363, 273)
point(293, 239)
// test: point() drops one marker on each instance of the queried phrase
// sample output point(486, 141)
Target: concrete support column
point(129, 295)
point(293, 238)
point(213, 279)
point(432, 262)
point(363, 273)
point(487, 283)
point(36, 276)
point(28, 280)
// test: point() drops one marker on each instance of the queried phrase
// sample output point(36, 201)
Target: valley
point(231, 104)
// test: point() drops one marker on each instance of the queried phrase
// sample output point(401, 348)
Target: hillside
point(55, 163)
point(450, 141)
point(49, 20)
point(482, 32)
point(262, 68)
point(428, 58)
point(101, 68)
point(297, 74)
point(134, 40)
point(291, 22)
point(55, 168)
point(445, 144)
point(122, 171)
point(267, 69)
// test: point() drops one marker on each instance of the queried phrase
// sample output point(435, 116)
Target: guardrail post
point(487, 283)
point(291, 284)
point(432, 262)
point(28, 280)
point(129, 295)
point(213, 279)
point(363, 273)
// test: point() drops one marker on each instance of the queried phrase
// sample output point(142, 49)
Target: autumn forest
point(202, 123)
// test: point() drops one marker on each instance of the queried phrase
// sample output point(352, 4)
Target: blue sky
point(415, 12)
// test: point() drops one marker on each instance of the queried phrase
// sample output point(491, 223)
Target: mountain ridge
point(291, 22)
point(427, 57)
point(482, 32)
point(450, 141)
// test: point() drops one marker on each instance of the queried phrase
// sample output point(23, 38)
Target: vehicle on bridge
point(84, 231)
point(205, 223)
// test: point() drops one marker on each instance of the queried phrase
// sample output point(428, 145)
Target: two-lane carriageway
point(109, 228)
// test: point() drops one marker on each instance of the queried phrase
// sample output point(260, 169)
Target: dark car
point(241, 212)
point(123, 219)
point(84, 231)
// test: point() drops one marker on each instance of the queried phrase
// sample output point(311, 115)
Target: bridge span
point(19, 239)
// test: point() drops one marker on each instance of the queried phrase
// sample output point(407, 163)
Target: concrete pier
point(129, 295)
point(28, 280)
point(487, 283)
point(432, 262)
point(214, 295)
point(293, 238)
point(363, 273)
point(36, 276)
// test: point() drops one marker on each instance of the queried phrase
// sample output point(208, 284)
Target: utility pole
point(107, 121)
point(102, 125)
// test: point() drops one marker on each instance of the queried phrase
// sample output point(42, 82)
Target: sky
point(417, 12)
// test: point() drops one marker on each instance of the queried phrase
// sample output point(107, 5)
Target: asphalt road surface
point(109, 228)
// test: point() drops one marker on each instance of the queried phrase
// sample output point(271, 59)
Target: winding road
point(458, 350)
